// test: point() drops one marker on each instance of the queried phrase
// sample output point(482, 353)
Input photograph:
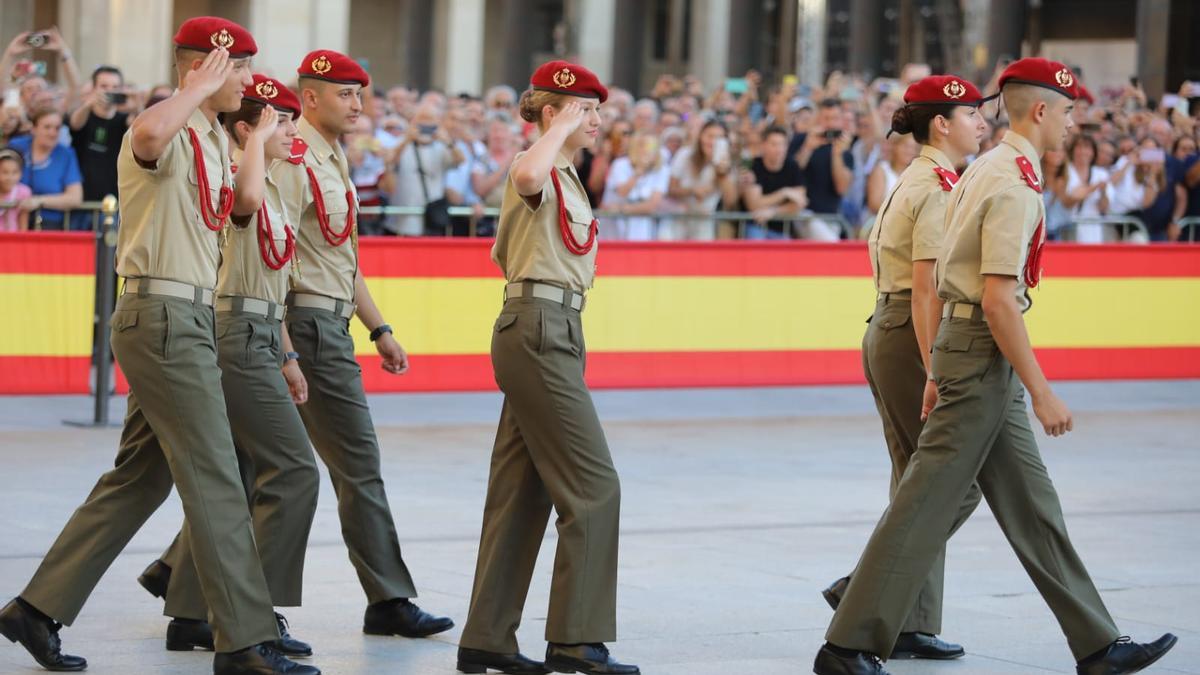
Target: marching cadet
point(326, 294)
point(278, 467)
point(942, 114)
point(314, 182)
point(550, 450)
point(176, 196)
point(979, 430)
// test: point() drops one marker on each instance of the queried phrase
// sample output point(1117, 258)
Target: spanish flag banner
point(661, 315)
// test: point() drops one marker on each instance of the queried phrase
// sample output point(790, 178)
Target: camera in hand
point(832, 135)
point(37, 40)
point(117, 97)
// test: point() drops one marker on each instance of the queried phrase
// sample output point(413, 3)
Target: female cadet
point(550, 449)
point(257, 262)
point(942, 114)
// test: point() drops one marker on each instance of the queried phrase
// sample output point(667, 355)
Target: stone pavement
point(739, 506)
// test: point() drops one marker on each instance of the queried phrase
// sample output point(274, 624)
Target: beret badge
point(564, 78)
point(221, 38)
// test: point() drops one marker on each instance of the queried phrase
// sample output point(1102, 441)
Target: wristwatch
point(290, 356)
point(379, 331)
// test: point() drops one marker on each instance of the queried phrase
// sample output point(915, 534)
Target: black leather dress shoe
point(184, 635)
point(401, 617)
point(925, 646)
point(1126, 656)
point(834, 661)
point(479, 661)
point(156, 578)
point(288, 645)
point(833, 594)
point(20, 622)
point(260, 659)
point(590, 659)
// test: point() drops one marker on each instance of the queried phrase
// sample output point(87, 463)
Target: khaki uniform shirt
point(909, 226)
point(990, 223)
point(529, 244)
point(324, 269)
point(243, 272)
point(162, 234)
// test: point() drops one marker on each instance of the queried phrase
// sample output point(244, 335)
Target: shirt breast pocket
point(213, 194)
point(581, 223)
point(335, 204)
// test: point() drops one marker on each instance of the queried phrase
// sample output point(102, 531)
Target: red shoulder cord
point(214, 219)
point(564, 223)
point(1033, 261)
point(334, 238)
point(1032, 273)
point(271, 256)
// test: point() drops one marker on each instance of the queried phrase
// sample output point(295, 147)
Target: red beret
point(1042, 73)
point(943, 90)
point(272, 92)
point(564, 77)
point(206, 33)
point(331, 66)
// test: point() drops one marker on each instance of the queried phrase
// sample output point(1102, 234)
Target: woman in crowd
point(489, 174)
point(635, 189)
point(701, 178)
point(1086, 189)
point(898, 152)
point(1054, 180)
point(52, 173)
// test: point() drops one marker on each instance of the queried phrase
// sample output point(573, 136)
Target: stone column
point(286, 30)
point(1153, 29)
point(133, 35)
point(593, 26)
point(811, 45)
point(709, 55)
point(458, 31)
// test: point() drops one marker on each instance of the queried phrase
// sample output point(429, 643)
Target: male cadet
point(174, 176)
point(979, 430)
point(318, 320)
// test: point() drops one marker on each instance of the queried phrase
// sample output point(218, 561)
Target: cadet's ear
point(548, 113)
point(1038, 113)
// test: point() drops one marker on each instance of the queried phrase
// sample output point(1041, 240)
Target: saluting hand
point(1053, 414)
point(296, 383)
point(395, 359)
point(211, 74)
point(268, 121)
point(569, 118)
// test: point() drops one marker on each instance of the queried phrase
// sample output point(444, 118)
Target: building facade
point(467, 45)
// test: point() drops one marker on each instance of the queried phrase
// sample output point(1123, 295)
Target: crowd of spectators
point(679, 163)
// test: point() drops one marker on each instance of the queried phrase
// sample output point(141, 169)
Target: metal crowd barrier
point(740, 219)
point(1189, 226)
point(1125, 227)
point(94, 220)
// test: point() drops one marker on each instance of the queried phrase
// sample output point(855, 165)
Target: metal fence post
point(106, 245)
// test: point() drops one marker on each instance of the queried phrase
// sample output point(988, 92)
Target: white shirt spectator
point(635, 228)
point(681, 170)
point(437, 159)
